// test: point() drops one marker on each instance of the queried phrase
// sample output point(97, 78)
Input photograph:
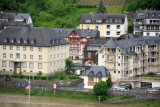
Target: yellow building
point(130, 57)
point(94, 75)
point(109, 25)
point(32, 49)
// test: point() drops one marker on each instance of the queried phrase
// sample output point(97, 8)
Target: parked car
point(128, 86)
point(123, 87)
point(154, 89)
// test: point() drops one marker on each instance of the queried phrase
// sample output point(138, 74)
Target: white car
point(154, 89)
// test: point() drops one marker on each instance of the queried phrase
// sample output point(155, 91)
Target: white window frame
point(4, 47)
point(11, 48)
point(24, 56)
point(40, 57)
point(4, 55)
point(39, 65)
point(4, 63)
point(31, 56)
point(31, 48)
point(17, 48)
point(24, 48)
point(31, 65)
point(24, 65)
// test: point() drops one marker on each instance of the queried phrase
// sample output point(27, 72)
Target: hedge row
point(25, 76)
point(85, 6)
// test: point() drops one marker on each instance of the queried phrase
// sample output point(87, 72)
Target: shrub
point(152, 74)
point(60, 75)
point(43, 77)
point(73, 76)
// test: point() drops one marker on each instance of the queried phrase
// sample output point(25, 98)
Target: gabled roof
point(81, 32)
point(97, 71)
point(93, 17)
point(41, 36)
point(110, 44)
point(147, 14)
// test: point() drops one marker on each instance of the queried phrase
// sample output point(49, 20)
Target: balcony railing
point(125, 60)
point(152, 63)
point(111, 60)
point(152, 49)
point(137, 58)
point(150, 55)
point(125, 68)
point(111, 52)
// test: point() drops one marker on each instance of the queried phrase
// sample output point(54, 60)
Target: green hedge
point(85, 6)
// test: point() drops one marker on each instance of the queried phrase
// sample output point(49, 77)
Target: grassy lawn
point(120, 97)
point(114, 9)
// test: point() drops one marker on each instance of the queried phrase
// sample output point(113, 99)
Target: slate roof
point(15, 16)
point(98, 71)
point(99, 16)
point(35, 36)
point(147, 14)
point(81, 32)
point(126, 44)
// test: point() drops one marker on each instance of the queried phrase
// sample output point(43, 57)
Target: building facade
point(147, 23)
point(109, 25)
point(29, 50)
point(130, 57)
point(94, 75)
point(77, 39)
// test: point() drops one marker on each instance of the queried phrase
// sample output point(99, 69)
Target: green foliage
point(130, 28)
point(85, 6)
point(69, 63)
point(61, 75)
point(152, 74)
point(18, 76)
point(69, 23)
point(101, 89)
point(101, 8)
point(133, 5)
point(90, 62)
point(109, 82)
point(33, 91)
point(39, 73)
point(73, 76)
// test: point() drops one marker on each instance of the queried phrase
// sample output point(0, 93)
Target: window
point(50, 65)
point(10, 64)
point(62, 47)
point(24, 65)
point(4, 47)
point(40, 49)
point(4, 64)
point(88, 20)
point(40, 57)
point(130, 71)
point(31, 56)
point(96, 27)
point(11, 47)
point(108, 33)
point(102, 56)
point(57, 47)
point(61, 55)
point(31, 65)
point(89, 54)
point(24, 70)
point(108, 26)
point(31, 48)
point(118, 33)
point(57, 55)
point(24, 56)
point(114, 71)
point(148, 34)
point(39, 65)
point(54, 48)
point(17, 47)
point(11, 55)
point(118, 57)
point(50, 48)
point(54, 56)
point(54, 64)
point(90, 79)
point(118, 26)
point(157, 34)
point(4, 55)
point(50, 57)
point(24, 48)
point(58, 63)
point(65, 54)
point(118, 64)
point(119, 72)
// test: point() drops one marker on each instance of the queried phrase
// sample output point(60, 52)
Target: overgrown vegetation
point(150, 74)
point(133, 5)
point(48, 13)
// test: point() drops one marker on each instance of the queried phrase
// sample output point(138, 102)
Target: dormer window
point(5, 40)
point(120, 20)
point(88, 20)
point(18, 41)
point(12, 41)
point(116, 20)
point(107, 20)
point(52, 41)
point(98, 20)
point(111, 20)
point(32, 42)
point(25, 41)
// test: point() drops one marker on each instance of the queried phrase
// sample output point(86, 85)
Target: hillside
point(106, 2)
point(57, 13)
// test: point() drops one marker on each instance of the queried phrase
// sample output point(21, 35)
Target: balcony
point(111, 60)
point(152, 56)
point(125, 68)
point(144, 57)
point(153, 49)
point(125, 61)
point(152, 63)
point(111, 53)
point(143, 64)
point(137, 59)
point(136, 66)
point(138, 23)
point(152, 23)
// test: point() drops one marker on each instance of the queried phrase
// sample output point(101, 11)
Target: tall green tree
point(101, 89)
point(69, 63)
point(101, 8)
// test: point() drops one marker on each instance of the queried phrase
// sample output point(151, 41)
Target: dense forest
point(133, 5)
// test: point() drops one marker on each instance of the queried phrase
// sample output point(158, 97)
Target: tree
point(109, 82)
point(101, 8)
point(39, 73)
point(101, 89)
point(69, 63)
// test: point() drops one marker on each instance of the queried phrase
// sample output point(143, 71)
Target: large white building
point(147, 23)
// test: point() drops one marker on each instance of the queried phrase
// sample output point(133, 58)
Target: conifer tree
point(101, 8)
